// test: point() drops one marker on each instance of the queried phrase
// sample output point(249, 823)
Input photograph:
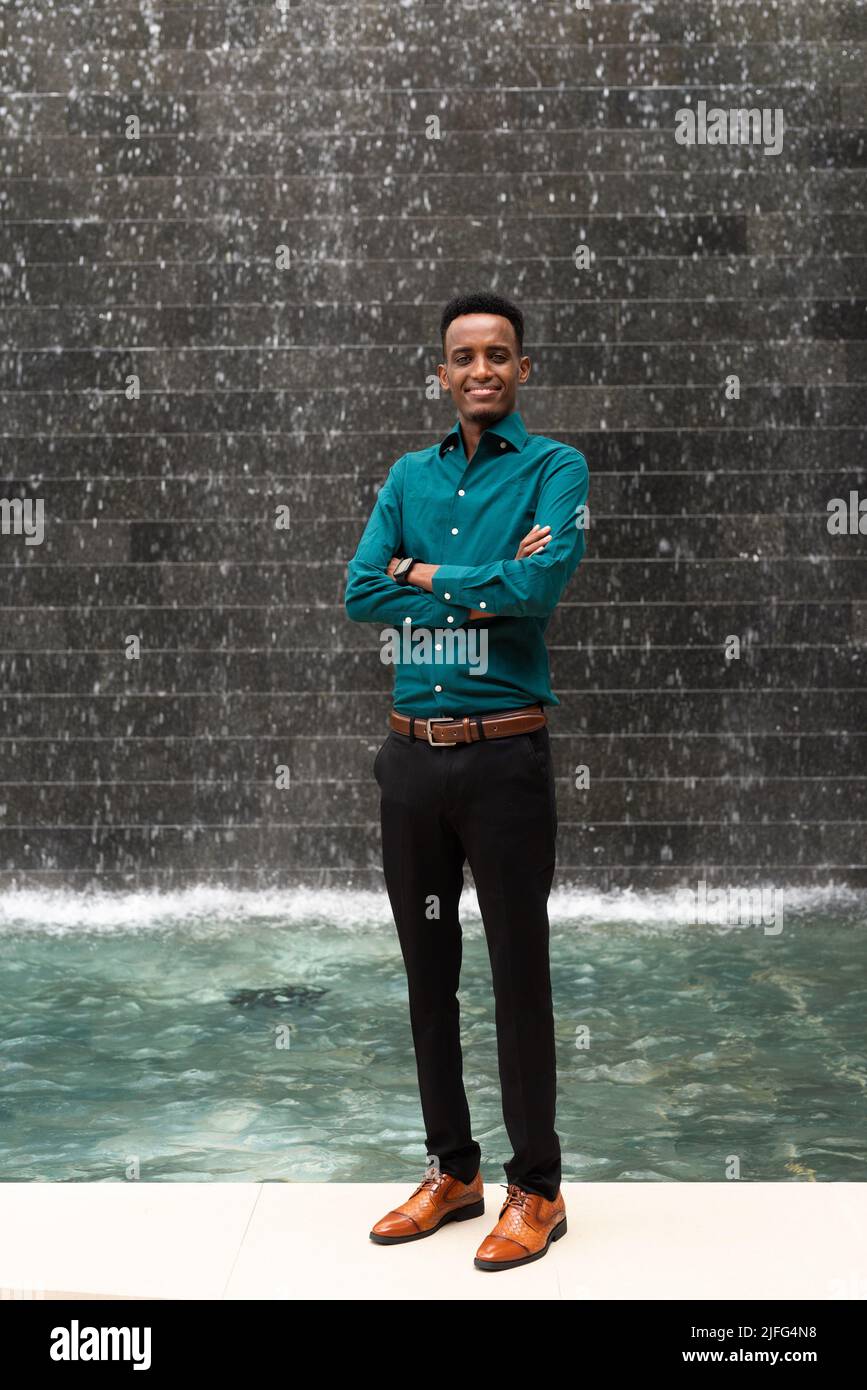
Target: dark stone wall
point(298, 385)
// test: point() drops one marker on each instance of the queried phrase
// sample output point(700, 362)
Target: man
point(465, 772)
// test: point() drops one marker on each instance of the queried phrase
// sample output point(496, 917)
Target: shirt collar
point(511, 428)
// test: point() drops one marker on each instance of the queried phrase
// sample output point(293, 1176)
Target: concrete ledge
point(287, 1240)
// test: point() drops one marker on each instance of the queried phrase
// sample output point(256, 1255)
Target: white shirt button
point(454, 530)
point(450, 619)
point(502, 443)
point(437, 687)
point(439, 646)
point(481, 605)
point(446, 597)
point(407, 620)
point(460, 492)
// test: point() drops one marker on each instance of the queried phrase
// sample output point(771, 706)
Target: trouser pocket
point(377, 762)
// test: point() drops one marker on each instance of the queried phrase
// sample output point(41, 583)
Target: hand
point(534, 541)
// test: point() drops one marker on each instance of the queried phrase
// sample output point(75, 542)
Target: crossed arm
point(528, 586)
point(421, 574)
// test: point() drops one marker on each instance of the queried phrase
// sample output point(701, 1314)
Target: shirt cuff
point(450, 584)
point(437, 611)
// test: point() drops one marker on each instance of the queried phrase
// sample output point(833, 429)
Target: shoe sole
point(558, 1231)
point(459, 1214)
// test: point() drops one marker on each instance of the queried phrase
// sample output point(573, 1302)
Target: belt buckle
point(438, 719)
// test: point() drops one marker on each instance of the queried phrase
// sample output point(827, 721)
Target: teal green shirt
point(468, 518)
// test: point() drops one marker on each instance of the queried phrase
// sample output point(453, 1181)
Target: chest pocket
point(522, 504)
point(429, 509)
point(425, 511)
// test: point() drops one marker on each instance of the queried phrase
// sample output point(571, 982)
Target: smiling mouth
point(482, 391)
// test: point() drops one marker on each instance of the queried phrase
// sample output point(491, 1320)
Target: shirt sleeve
point(531, 588)
point(371, 594)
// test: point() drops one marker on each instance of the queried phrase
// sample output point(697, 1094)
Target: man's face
point(483, 368)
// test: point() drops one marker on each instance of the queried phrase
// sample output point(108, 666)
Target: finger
point(532, 535)
point(533, 538)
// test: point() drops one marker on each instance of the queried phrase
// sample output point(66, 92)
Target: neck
point(472, 431)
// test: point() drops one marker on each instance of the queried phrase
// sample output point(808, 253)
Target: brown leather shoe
point(528, 1223)
point(439, 1198)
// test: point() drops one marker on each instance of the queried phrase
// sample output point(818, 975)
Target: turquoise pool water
point(221, 1036)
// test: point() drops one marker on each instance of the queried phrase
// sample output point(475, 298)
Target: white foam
point(215, 911)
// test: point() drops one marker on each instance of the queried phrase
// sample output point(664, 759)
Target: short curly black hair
point(483, 303)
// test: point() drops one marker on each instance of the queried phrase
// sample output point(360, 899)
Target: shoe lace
point(515, 1196)
point(431, 1180)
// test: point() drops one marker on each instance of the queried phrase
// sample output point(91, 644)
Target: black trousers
point(492, 803)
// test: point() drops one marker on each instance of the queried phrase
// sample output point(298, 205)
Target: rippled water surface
point(266, 1037)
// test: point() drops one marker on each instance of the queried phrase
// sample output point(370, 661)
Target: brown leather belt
point(442, 731)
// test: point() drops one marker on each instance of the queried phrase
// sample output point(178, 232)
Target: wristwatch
point(402, 569)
